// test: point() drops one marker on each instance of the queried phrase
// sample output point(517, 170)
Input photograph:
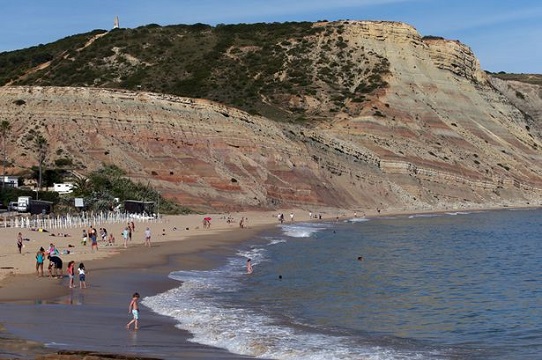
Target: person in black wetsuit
point(55, 266)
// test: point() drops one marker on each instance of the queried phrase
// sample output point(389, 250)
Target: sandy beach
point(114, 273)
point(31, 306)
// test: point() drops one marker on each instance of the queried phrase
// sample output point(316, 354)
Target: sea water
point(437, 286)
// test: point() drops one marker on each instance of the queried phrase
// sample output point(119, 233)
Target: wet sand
point(35, 311)
point(46, 311)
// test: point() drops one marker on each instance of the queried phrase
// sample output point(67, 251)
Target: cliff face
point(440, 135)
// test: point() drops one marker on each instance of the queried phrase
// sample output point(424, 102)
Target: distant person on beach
point(84, 238)
point(103, 234)
point(249, 267)
point(82, 276)
point(94, 240)
point(55, 266)
point(94, 243)
point(40, 258)
point(92, 233)
point(20, 242)
point(52, 250)
point(134, 309)
point(242, 223)
point(125, 235)
point(71, 273)
point(111, 239)
point(148, 237)
point(130, 230)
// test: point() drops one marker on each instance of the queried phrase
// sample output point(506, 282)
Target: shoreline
point(112, 279)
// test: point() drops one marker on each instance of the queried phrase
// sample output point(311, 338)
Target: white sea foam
point(197, 307)
point(423, 216)
point(259, 316)
point(246, 331)
point(273, 241)
point(357, 220)
point(302, 230)
point(458, 213)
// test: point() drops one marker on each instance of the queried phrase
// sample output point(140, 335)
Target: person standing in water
point(82, 276)
point(249, 267)
point(71, 273)
point(134, 309)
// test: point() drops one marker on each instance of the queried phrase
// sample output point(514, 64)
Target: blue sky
point(504, 35)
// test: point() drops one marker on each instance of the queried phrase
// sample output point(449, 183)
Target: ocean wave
point(357, 220)
point(455, 213)
point(249, 332)
point(302, 230)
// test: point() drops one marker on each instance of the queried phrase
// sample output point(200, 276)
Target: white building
point(63, 188)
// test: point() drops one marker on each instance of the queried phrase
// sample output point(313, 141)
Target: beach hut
point(139, 207)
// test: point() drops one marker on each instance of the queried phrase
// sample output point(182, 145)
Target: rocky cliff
point(441, 134)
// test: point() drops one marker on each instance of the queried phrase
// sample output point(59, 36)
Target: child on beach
point(111, 239)
point(85, 237)
point(148, 237)
point(40, 258)
point(125, 236)
point(71, 272)
point(20, 242)
point(82, 277)
point(134, 309)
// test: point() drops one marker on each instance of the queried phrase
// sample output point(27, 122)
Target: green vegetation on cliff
point(267, 69)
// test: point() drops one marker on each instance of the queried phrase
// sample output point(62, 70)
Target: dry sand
point(178, 242)
point(15, 267)
point(114, 273)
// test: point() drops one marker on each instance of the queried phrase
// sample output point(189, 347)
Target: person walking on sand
point(134, 309)
point(249, 267)
point(40, 258)
point(82, 276)
point(71, 273)
point(20, 242)
point(148, 237)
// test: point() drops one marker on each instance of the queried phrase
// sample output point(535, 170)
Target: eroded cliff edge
point(440, 135)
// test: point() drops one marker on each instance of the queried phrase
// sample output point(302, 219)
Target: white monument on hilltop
point(116, 23)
